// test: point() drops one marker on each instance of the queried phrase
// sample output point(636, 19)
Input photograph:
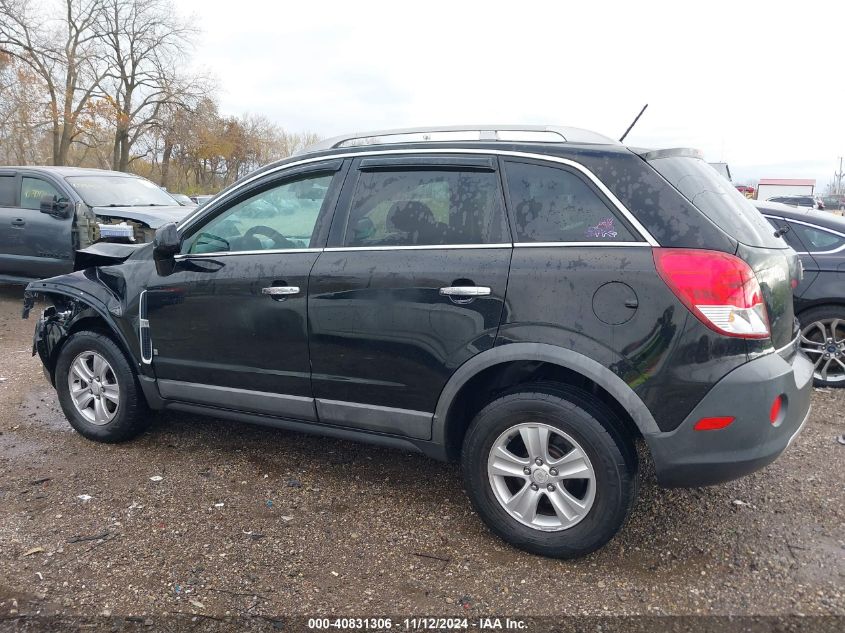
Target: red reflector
point(712, 424)
point(774, 412)
point(794, 283)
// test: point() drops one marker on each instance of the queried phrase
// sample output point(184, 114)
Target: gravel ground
point(213, 518)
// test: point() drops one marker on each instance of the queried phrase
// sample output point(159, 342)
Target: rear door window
point(790, 236)
point(426, 207)
point(7, 191)
point(551, 204)
point(717, 199)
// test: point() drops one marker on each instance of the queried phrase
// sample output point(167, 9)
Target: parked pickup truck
point(47, 214)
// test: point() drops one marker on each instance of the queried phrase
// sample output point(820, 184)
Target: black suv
point(529, 301)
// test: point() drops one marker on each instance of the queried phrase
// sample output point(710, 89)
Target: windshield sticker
point(604, 229)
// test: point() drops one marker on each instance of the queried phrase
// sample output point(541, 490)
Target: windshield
point(718, 199)
point(119, 191)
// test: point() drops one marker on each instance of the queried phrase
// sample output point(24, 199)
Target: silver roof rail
point(446, 133)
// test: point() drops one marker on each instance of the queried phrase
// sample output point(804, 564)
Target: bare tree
point(145, 41)
point(62, 53)
point(22, 115)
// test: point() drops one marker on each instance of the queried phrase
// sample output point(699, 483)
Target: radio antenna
point(633, 124)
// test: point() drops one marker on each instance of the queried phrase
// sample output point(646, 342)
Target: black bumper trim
point(688, 458)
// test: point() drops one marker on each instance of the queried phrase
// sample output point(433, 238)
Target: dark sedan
point(819, 239)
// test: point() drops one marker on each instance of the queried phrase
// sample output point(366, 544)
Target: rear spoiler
point(675, 152)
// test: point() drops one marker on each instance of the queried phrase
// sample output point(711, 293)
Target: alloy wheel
point(93, 388)
point(824, 342)
point(541, 476)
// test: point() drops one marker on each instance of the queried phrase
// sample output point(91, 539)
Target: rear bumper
point(686, 458)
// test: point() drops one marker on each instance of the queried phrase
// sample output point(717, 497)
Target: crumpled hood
point(104, 254)
point(153, 217)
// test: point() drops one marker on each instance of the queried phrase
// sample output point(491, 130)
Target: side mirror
point(166, 241)
point(52, 205)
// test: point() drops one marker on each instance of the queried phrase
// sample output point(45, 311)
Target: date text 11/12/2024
point(418, 624)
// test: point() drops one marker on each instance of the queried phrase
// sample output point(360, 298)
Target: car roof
point(824, 219)
point(65, 171)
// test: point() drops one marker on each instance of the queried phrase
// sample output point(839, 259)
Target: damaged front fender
point(76, 298)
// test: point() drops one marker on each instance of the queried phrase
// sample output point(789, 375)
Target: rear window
point(717, 198)
point(817, 240)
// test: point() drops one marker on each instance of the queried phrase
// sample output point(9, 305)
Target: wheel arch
point(827, 302)
point(475, 382)
point(73, 312)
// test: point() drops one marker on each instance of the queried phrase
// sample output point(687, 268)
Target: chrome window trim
point(269, 251)
point(815, 227)
point(555, 244)
point(621, 208)
point(420, 247)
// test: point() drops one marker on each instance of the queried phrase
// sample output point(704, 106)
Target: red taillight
point(774, 412)
point(720, 289)
point(712, 424)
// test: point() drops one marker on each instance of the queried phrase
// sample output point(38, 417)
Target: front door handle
point(280, 291)
point(19, 223)
point(465, 291)
point(462, 295)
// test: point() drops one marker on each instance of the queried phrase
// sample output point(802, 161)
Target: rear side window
point(426, 208)
point(554, 205)
point(789, 236)
point(817, 240)
point(717, 199)
point(33, 189)
point(7, 191)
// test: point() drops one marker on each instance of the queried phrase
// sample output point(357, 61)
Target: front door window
point(33, 189)
point(282, 217)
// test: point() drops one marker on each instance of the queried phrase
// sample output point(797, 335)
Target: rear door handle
point(465, 291)
point(19, 223)
point(280, 291)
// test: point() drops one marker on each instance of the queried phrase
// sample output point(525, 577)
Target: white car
point(809, 202)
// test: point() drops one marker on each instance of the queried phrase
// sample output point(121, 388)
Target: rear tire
point(582, 499)
point(823, 331)
point(97, 389)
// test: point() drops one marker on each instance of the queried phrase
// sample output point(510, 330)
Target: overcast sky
point(749, 83)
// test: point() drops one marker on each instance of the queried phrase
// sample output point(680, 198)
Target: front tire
point(97, 389)
point(550, 470)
